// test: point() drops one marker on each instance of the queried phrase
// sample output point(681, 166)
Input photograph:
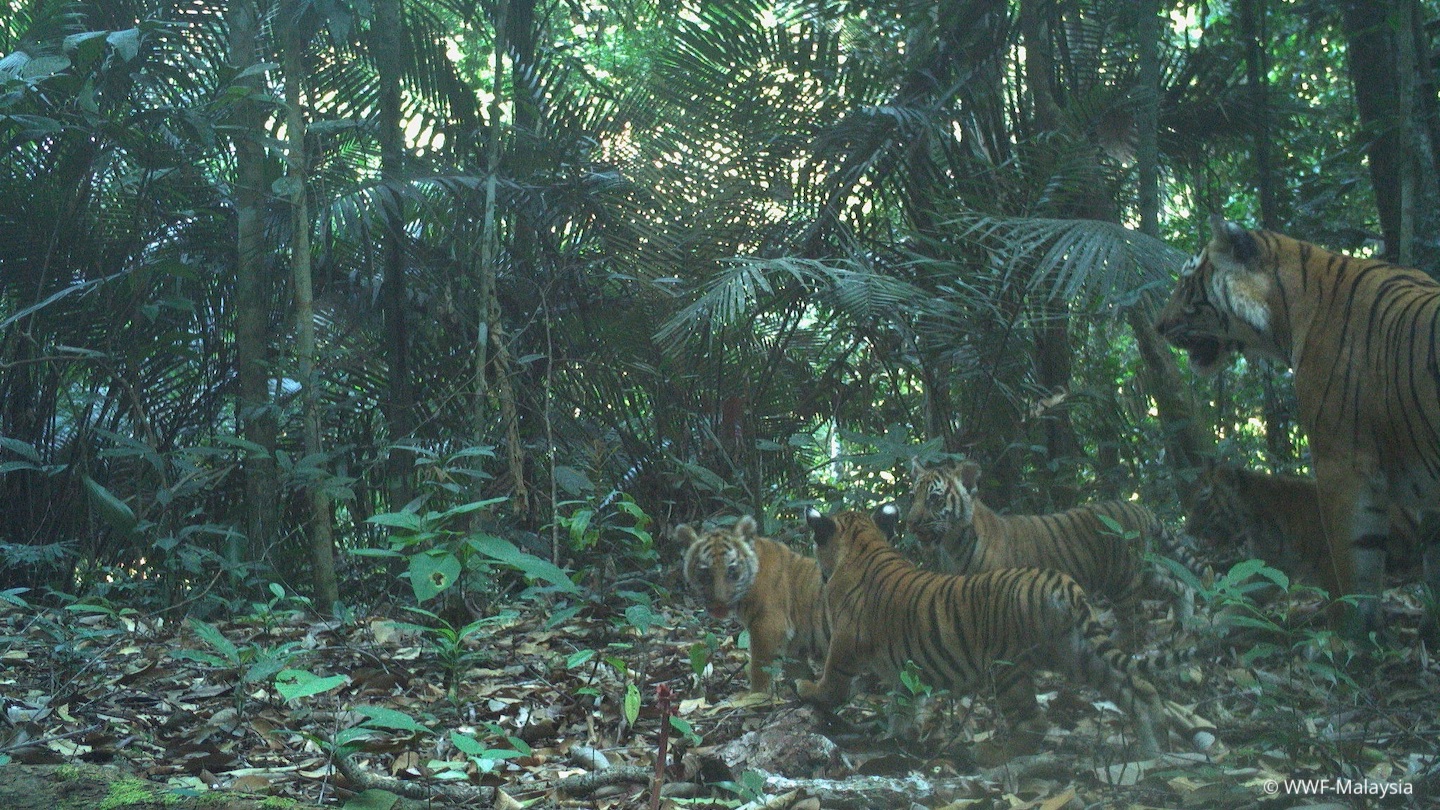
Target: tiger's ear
point(821, 526)
point(1231, 250)
point(686, 535)
point(746, 528)
point(969, 475)
point(916, 468)
point(887, 519)
point(1230, 243)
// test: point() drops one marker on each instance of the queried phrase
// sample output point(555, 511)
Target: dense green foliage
point(673, 260)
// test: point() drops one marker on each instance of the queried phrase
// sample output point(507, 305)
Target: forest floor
point(253, 705)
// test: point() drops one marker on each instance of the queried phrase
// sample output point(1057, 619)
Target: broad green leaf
point(210, 634)
point(632, 703)
point(466, 508)
point(372, 799)
point(686, 730)
point(126, 43)
point(112, 509)
point(432, 572)
point(374, 552)
point(640, 617)
point(20, 448)
point(381, 717)
point(398, 520)
point(297, 683)
point(503, 550)
point(699, 658)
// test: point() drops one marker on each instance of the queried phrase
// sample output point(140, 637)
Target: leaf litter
point(256, 704)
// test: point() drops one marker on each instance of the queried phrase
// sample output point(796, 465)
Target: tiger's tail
point(1126, 678)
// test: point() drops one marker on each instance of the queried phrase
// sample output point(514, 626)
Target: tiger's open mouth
point(1206, 352)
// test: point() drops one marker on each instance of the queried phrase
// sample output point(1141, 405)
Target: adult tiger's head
point(943, 498)
point(720, 565)
point(1223, 302)
point(841, 538)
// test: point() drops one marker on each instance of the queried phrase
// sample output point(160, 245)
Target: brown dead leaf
point(252, 783)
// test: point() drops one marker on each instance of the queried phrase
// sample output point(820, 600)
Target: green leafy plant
point(439, 550)
point(686, 730)
point(702, 653)
point(252, 663)
point(379, 721)
point(485, 757)
point(269, 613)
point(749, 788)
point(616, 523)
point(454, 647)
point(294, 684)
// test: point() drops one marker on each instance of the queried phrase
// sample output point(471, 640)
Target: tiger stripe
point(885, 611)
point(1363, 339)
point(947, 515)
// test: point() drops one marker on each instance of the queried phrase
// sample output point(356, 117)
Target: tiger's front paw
point(806, 689)
point(815, 694)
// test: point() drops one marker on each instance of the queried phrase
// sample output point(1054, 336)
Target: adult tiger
point(1276, 518)
point(959, 630)
point(1363, 339)
point(947, 515)
point(775, 590)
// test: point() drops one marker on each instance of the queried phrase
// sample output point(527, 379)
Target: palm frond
point(1100, 263)
point(749, 284)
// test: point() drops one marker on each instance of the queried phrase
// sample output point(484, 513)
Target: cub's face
point(943, 498)
point(720, 565)
point(1219, 307)
point(1212, 508)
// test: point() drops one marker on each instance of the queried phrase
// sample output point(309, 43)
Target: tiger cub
point(1276, 518)
point(885, 611)
point(946, 514)
point(775, 590)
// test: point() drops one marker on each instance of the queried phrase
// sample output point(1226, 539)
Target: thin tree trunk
point(1420, 185)
point(254, 409)
point(491, 330)
point(1185, 439)
point(1052, 333)
point(321, 534)
point(1254, 29)
point(1385, 71)
point(386, 42)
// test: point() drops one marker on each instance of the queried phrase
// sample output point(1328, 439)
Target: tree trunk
point(1053, 360)
point(1052, 332)
point(386, 43)
point(1387, 66)
point(1254, 30)
point(254, 409)
point(491, 330)
point(1185, 439)
point(321, 534)
point(1253, 15)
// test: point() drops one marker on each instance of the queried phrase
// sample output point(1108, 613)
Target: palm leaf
point(1100, 263)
